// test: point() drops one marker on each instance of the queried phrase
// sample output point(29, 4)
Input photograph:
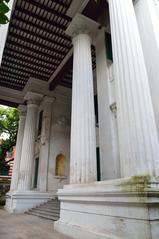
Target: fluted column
point(83, 140)
point(16, 167)
point(27, 157)
point(45, 143)
point(148, 24)
point(108, 140)
point(138, 143)
point(156, 4)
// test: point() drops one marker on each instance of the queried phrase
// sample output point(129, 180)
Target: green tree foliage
point(9, 118)
point(4, 9)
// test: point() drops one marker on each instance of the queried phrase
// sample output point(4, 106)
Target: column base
point(19, 202)
point(116, 209)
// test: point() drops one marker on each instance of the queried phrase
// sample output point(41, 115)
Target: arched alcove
point(60, 165)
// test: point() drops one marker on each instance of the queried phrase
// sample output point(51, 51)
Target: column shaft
point(83, 142)
point(28, 148)
point(109, 156)
point(149, 32)
point(17, 159)
point(138, 143)
point(45, 144)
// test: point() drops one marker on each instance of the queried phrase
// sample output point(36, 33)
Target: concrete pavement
point(26, 227)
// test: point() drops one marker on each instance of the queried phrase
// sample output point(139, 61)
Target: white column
point(138, 143)
point(83, 139)
point(109, 158)
point(45, 143)
point(156, 4)
point(27, 157)
point(16, 167)
point(148, 24)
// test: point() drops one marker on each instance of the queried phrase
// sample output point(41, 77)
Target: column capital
point(82, 25)
point(33, 98)
point(22, 110)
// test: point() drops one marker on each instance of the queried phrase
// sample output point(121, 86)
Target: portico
point(109, 59)
point(87, 210)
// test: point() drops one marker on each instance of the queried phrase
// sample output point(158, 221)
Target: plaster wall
point(59, 143)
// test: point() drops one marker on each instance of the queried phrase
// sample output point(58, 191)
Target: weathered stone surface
point(26, 226)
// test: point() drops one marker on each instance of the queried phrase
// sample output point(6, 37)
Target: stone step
point(53, 203)
point(53, 218)
point(45, 212)
point(50, 207)
point(49, 210)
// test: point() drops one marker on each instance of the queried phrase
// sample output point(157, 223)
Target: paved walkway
point(26, 227)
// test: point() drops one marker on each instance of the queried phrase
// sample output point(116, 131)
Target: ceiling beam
point(59, 77)
point(35, 34)
point(23, 71)
point(37, 43)
point(10, 82)
point(9, 57)
point(36, 25)
point(8, 103)
point(33, 59)
point(73, 9)
point(40, 54)
point(40, 18)
point(37, 4)
point(26, 64)
point(61, 2)
point(25, 68)
point(11, 74)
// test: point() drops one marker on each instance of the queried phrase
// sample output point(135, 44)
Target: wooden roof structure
point(36, 43)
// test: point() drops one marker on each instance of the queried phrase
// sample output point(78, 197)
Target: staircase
point(49, 210)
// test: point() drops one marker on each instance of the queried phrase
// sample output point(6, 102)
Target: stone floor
point(26, 227)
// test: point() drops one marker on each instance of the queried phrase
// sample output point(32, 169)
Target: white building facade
point(94, 145)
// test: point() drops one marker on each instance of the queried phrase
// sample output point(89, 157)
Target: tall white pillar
point(45, 143)
point(16, 167)
point(156, 4)
point(25, 176)
point(138, 142)
point(109, 158)
point(83, 139)
point(148, 24)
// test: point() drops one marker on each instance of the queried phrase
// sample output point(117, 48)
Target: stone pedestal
point(116, 209)
point(19, 202)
